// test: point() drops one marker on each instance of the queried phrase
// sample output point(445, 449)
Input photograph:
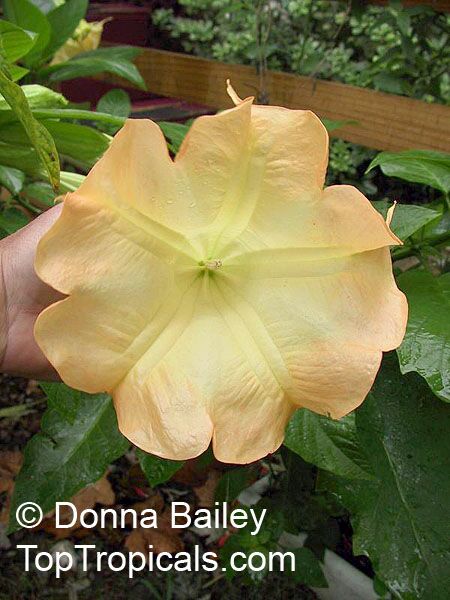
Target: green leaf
point(15, 42)
point(71, 181)
point(244, 542)
point(84, 67)
point(233, 482)
point(400, 520)
point(408, 218)
point(295, 502)
point(21, 158)
point(332, 125)
point(11, 179)
point(16, 73)
point(39, 137)
point(24, 14)
point(82, 144)
point(157, 470)
point(426, 347)
point(329, 444)
point(113, 53)
point(46, 6)
point(307, 569)
point(115, 102)
point(63, 21)
point(43, 192)
point(388, 82)
point(174, 132)
point(7, 116)
point(79, 438)
point(11, 220)
point(40, 191)
point(38, 96)
point(418, 166)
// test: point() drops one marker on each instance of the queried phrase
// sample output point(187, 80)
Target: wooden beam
point(384, 121)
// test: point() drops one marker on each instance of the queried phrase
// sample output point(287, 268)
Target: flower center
point(212, 264)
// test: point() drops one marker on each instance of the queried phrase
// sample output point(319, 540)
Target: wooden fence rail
point(384, 121)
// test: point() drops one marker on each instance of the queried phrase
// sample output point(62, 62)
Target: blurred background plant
point(41, 45)
point(393, 49)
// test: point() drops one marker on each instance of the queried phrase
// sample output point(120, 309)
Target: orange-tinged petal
point(325, 322)
point(336, 222)
point(183, 196)
point(202, 372)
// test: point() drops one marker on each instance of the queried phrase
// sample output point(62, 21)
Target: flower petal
point(211, 164)
point(325, 327)
point(184, 196)
point(122, 292)
point(337, 222)
point(282, 170)
point(160, 406)
point(210, 374)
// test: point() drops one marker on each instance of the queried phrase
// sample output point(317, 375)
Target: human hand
point(22, 297)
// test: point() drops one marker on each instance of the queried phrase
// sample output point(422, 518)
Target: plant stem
point(406, 251)
point(71, 113)
point(306, 33)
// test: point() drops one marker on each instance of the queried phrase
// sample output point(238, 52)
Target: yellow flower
point(86, 37)
point(214, 294)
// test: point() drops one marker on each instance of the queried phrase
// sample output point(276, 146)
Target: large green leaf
point(63, 21)
point(157, 470)
point(15, 42)
point(82, 144)
point(426, 347)
point(400, 520)
point(38, 96)
point(115, 102)
point(329, 444)
point(39, 137)
point(79, 438)
point(418, 166)
point(92, 65)
point(407, 218)
point(26, 15)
